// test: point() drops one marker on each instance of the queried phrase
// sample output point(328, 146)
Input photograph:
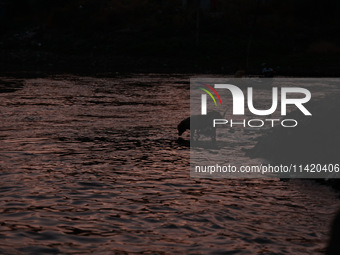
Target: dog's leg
point(198, 134)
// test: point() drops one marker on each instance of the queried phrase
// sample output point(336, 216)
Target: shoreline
point(36, 64)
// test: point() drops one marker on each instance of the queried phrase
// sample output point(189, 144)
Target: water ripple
point(93, 165)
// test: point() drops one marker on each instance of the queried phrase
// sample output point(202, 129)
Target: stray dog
point(200, 125)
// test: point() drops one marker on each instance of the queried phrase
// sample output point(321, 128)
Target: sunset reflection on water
point(94, 165)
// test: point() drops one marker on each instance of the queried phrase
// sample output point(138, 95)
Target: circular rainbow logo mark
point(209, 93)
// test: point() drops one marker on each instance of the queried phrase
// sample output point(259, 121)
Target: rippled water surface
point(92, 165)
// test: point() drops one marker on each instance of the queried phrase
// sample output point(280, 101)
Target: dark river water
point(93, 166)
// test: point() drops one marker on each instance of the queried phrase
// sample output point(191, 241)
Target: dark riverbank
point(314, 141)
point(24, 59)
point(90, 38)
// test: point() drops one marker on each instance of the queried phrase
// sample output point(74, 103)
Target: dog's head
point(180, 129)
point(184, 125)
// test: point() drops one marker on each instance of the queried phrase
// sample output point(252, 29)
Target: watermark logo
point(238, 100)
point(238, 104)
point(254, 127)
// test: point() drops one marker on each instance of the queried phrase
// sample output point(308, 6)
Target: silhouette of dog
point(199, 125)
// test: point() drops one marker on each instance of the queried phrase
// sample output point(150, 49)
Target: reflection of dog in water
point(199, 125)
